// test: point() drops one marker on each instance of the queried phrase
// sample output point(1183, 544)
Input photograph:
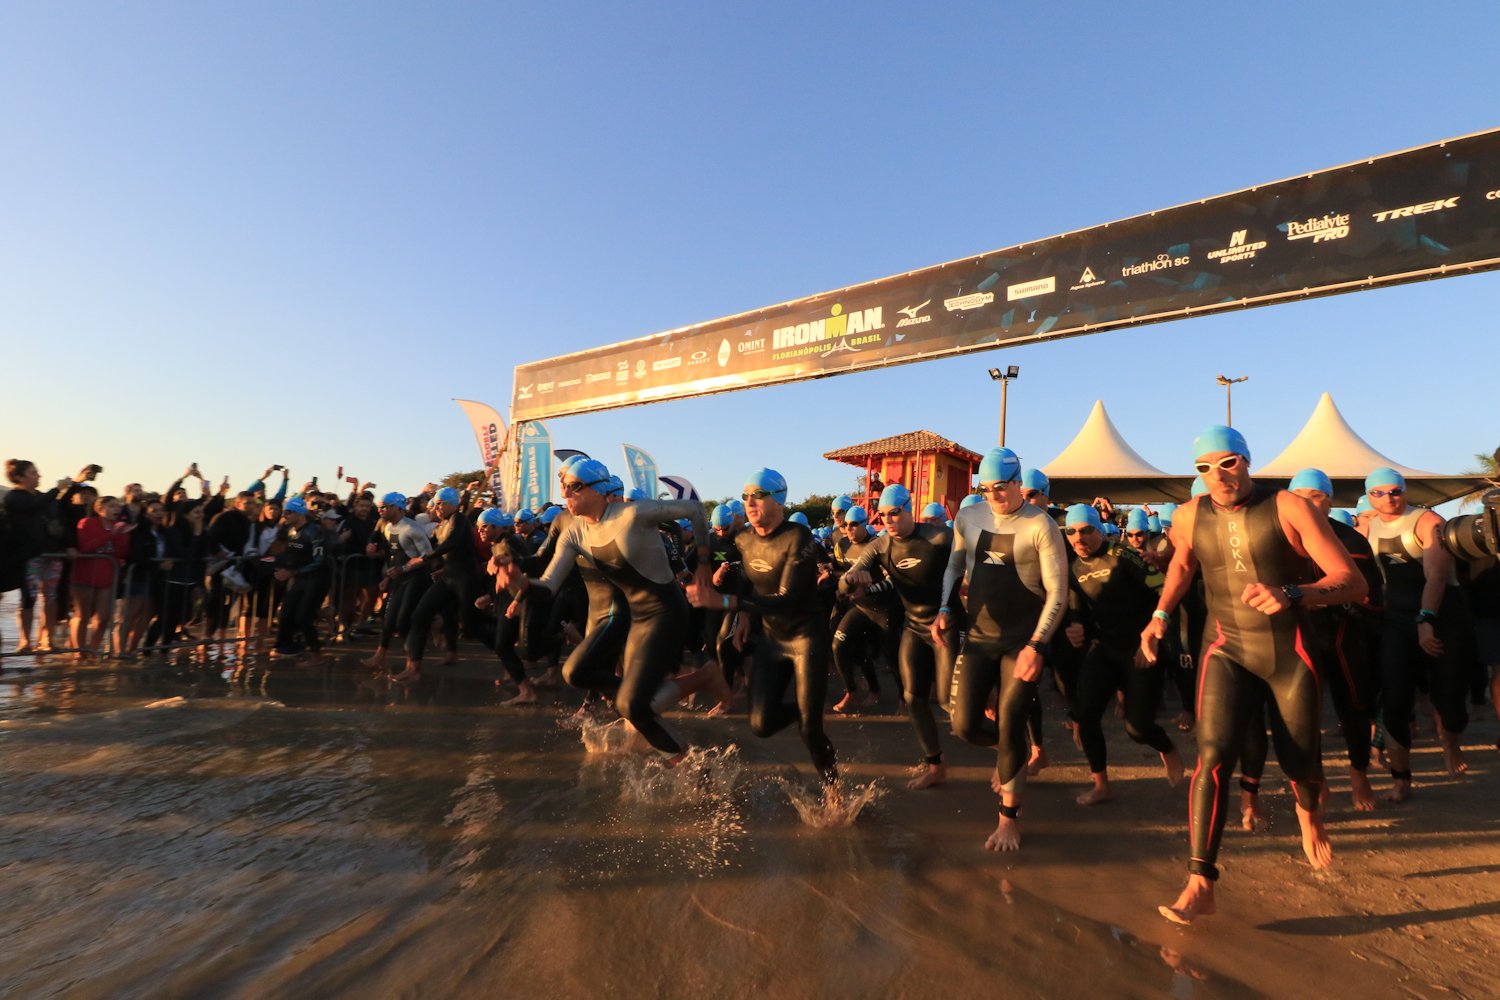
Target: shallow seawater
point(180, 831)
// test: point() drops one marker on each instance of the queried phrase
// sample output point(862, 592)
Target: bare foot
point(313, 661)
point(1315, 839)
point(672, 761)
point(448, 659)
point(1173, 763)
point(1038, 761)
point(527, 695)
point(1196, 900)
point(1250, 815)
point(410, 675)
point(1364, 795)
point(375, 661)
point(550, 678)
point(926, 775)
point(845, 704)
point(1184, 721)
point(1099, 793)
point(1400, 790)
point(720, 691)
point(1007, 836)
point(1453, 756)
point(22, 648)
point(1072, 727)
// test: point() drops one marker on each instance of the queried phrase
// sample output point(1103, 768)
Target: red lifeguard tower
point(931, 467)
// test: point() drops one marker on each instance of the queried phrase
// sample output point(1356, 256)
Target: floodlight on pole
point(1004, 377)
point(1228, 384)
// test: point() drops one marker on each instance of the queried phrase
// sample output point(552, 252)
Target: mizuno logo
point(759, 565)
point(994, 559)
point(908, 563)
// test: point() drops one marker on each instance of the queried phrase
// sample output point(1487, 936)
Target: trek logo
point(1422, 209)
point(724, 353)
point(914, 315)
point(1031, 289)
point(837, 326)
point(1325, 230)
point(759, 565)
point(525, 392)
point(1239, 248)
point(910, 562)
point(1088, 279)
point(962, 303)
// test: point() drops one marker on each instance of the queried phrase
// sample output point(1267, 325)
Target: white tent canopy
point(1101, 463)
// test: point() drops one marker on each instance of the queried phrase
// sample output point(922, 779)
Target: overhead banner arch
point(1424, 213)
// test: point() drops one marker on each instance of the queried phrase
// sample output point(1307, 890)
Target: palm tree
point(1489, 469)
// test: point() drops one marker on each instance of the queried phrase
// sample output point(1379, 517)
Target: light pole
point(1004, 377)
point(1228, 384)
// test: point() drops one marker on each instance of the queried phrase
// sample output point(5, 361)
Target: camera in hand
point(1472, 537)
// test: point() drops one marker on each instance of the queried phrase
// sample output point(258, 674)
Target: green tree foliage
point(818, 507)
point(1486, 467)
point(459, 480)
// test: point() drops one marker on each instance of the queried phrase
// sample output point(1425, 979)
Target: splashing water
point(705, 774)
point(821, 810)
point(613, 738)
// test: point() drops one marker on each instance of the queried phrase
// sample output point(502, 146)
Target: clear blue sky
point(276, 232)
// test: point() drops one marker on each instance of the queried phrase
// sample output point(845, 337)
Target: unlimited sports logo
point(1238, 249)
point(840, 331)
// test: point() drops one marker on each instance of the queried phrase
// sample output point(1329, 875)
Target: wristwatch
point(1293, 593)
point(1040, 647)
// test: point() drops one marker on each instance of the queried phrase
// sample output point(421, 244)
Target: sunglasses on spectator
point(757, 495)
point(1082, 529)
point(575, 486)
point(1394, 494)
point(1030, 494)
point(1226, 464)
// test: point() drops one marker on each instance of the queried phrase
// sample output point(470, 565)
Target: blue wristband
point(1162, 615)
point(726, 602)
point(944, 611)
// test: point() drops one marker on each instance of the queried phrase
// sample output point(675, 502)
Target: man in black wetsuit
point(1252, 544)
point(1111, 599)
point(455, 568)
point(306, 573)
point(1013, 556)
point(1425, 631)
point(914, 559)
point(863, 632)
point(779, 574)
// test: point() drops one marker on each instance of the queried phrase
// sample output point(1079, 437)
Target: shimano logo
point(1422, 209)
point(1028, 289)
point(910, 562)
point(759, 565)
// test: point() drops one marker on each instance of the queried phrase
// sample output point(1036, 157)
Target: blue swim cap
point(591, 472)
point(525, 516)
point(1112, 529)
point(1198, 488)
point(1311, 479)
point(723, 516)
point(798, 517)
point(496, 518)
point(736, 506)
point(970, 500)
point(1384, 477)
point(949, 522)
point(636, 493)
point(895, 495)
point(1166, 511)
point(935, 509)
point(1001, 465)
point(448, 495)
point(771, 481)
point(685, 524)
point(1082, 513)
point(614, 487)
point(393, 499)
point(571, 461)
point(296, 505)
point(550, 514)
point(1364, 505)
point(841, 504)
point(1153, 522)
point(1034, 479)
point(1343, 517)
point(856, 515)
point(1137, 520)
point(1220, 438)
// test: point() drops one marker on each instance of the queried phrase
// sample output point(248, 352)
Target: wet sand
point(173, 831)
